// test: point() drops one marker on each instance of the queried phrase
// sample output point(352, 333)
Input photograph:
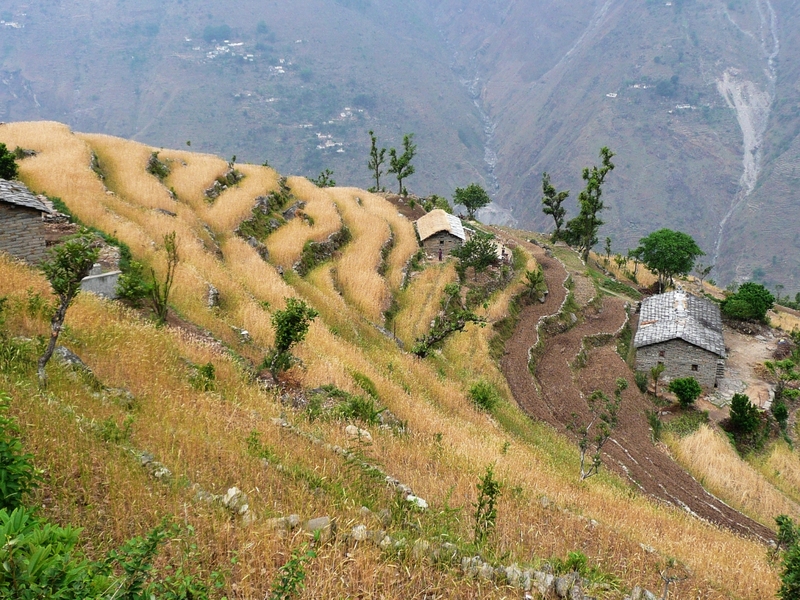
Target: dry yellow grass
point(419, 302)
point(405, 238)
point(781, 467)
point(357, 269)
point(715, 463)
point(202, 436)
point(286, 244)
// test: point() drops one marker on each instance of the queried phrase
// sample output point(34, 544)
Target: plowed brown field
point(558, 390)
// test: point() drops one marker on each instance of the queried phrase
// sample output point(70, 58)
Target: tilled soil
point(558, 390)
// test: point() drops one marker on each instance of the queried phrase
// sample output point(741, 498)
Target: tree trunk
point(55, 330)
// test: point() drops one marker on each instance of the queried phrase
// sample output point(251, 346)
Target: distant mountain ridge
point(700, 101)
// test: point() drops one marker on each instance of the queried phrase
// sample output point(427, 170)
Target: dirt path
point(558, 390)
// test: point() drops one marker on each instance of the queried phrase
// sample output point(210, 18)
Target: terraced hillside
point(152, 431)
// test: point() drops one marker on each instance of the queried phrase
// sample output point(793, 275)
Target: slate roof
point(438, 220)
point(678, 315)
point(15, 192)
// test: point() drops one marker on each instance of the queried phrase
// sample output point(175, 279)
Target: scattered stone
point(235, 500)
point(291, 212)
point(212, 298)
point(417, 502)
point(565, 584)
point(359, 533)
point(356, 433)
point(284, 524)
point(323, 525)
point(543, 582)
point(164, 211)
point(260, 248)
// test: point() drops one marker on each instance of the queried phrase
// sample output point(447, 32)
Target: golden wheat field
point(232, 431)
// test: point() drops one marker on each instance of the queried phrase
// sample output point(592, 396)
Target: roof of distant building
point(438, 220)
point(678, 315)
point(15, 192)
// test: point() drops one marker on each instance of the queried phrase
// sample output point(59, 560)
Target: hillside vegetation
point(287, 448)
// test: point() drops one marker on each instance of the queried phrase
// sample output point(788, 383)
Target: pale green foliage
point(67, 265)
point(159, 291)
point(377, 157)
point(401, 165)
point(552, 201)
point(581, 232)
point(486, 507)
point(604, 413)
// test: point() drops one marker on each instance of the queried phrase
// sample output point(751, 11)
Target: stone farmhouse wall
point(681, 359)
point(22, 232)
point(444, 240)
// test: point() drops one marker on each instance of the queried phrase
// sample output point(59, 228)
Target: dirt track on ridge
point(555, 394)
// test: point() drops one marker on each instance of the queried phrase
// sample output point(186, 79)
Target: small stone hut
point(439, 230)
point(22, 232)
point(684, 333)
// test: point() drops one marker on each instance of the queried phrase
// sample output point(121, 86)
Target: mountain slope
point(271, 443)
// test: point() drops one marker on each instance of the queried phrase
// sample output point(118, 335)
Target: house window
point(441, 242)
point(695, 367)
point(662, 353)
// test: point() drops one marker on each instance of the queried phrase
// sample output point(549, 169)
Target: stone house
point(684, 333)
point(439, 230)
point(22, 232)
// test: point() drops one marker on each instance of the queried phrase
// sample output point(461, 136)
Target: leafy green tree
point(744, 414)
point(452, 317)
point(376, 159)
point(581, 232)
point(552, 201)
point(535, 285)
point(702, 271)
point(8, 166)
point(668, 253)
point(750, 303)
point(401, 165)
point(479, 252)
point(686, 389)
point(67, 265)
point(655, 373)
point(604, 411)
point(291, 326)
point(325, 179)
point(784, 372)
point(433, 202)
point(472, 198)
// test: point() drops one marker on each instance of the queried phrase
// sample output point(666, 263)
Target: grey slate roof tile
point(15, 192)
point(678, 315)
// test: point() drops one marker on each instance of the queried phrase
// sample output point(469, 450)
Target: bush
point(484, 395)
point(641, 378)
point(750, 303)
point(17, 475)
point(744, 414)
point(686, 389)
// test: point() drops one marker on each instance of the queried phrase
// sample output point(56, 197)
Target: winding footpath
point(559, 389)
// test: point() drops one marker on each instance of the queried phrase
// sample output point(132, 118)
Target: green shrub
point(744, 414)
point(750, 302)
point(484, 395)
point(366, 384)
point(17, 475)
point(686, 389)
point(642, 380)
point(688, 422)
